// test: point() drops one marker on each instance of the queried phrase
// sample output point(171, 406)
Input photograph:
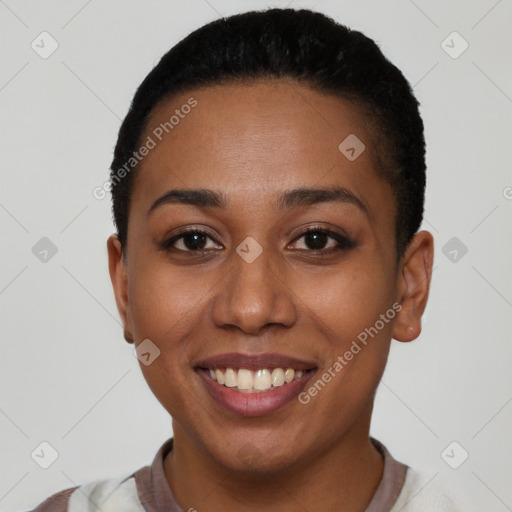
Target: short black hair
point(306, 46)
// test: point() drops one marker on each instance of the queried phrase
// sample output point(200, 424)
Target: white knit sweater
point(432, 493)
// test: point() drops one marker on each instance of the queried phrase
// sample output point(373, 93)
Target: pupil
point(316, 240)
point(195, 237)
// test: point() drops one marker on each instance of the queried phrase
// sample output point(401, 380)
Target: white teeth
point(220, 376)
point(244, 379)
point(230, 379)
point(277, 377)
point(262, 380)
point(248, 381)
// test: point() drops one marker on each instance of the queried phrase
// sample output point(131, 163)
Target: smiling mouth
point(255, 381)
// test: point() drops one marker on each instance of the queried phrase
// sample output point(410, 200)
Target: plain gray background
point(68, 378)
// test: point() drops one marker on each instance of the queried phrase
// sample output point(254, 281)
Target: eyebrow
point(295, 198)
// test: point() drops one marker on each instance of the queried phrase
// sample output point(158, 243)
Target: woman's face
point(254, 292)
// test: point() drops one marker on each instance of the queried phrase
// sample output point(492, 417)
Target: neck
point(342, 477)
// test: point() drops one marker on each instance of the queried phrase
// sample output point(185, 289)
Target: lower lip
point(254, 404)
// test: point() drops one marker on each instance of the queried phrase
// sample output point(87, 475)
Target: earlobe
point(118, 277)
point(413, 286)
point(127, 336)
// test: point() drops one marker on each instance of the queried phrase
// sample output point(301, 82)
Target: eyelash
point(343, 242)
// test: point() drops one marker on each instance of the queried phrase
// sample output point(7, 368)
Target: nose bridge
point(253, 295)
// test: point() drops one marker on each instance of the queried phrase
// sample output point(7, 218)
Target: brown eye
point(324, 241)
point(316, 240)
point(193, 240)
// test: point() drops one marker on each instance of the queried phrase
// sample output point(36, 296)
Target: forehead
point(253, 140)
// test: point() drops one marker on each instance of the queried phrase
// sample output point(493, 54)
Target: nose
point(254, 295)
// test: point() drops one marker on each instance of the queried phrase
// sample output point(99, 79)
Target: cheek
point(164, 304)
point(163, 301)
point(353, 312)
point(349, 301)
point(354, 356)
point(164, 308)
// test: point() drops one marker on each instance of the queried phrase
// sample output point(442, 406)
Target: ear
point(413, 286)
point(118, 276)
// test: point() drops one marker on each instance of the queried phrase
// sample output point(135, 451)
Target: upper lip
point(254, 361)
